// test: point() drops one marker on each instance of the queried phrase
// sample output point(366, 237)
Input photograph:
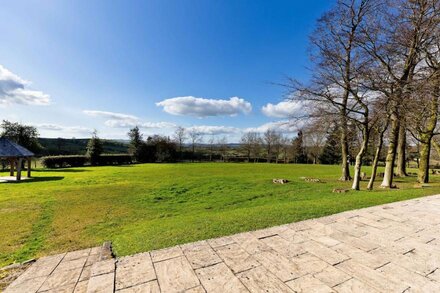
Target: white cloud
point(283, 109)
point(283, 126)
point(119, 120)
point(214, 130)
point(201, 107)
point(111, 115)
point(15, 90)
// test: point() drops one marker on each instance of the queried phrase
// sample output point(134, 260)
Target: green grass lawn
point(144, 207)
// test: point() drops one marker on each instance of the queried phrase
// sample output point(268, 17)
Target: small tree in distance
point(195, 137)
point(180, 137)
point(94, 149)
point(136, 143)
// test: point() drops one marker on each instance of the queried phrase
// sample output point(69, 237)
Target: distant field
point(143, 207)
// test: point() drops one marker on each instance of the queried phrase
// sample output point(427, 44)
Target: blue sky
point(69, 67)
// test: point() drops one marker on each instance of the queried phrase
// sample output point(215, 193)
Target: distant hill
point(74, 146)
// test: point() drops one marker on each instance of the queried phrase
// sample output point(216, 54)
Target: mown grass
point(144, 207)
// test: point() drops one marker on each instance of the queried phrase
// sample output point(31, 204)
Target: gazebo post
point(29, 163)
point(19, 163)
point(11, 169)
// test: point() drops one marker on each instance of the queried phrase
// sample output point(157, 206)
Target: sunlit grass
point(144, 207)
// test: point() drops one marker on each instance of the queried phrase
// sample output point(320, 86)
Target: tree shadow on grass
point(38, 179)
point(62, 170)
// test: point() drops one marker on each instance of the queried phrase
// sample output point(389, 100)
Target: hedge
point(110, 159)
point(79, 161)
point(63, 161)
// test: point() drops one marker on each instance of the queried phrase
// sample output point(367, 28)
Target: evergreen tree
point(331, 153)
point(136, 143)
point(94, 148)
point(299, 150)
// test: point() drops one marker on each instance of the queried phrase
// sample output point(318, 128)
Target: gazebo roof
point(9, 149)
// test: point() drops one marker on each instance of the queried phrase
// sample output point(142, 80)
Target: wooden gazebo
point(15, 154)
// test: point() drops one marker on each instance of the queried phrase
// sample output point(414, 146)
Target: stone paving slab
point(388, 248)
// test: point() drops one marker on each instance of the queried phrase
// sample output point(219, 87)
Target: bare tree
point(270, 138)
point(379, 130)
point(285, 148)
point(180, 137)
point(223, 147)
point(195, 138)
point(394, 39)
point(401, 150)
point(211, 143)
point(314, 138)
point(336, 68)
point(249, 143)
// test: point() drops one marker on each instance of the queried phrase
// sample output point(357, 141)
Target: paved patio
point(389, 248)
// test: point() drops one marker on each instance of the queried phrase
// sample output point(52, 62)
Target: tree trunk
point(345, 176)
point(359, 158)
point(425, 142)
point(401, 152)
point(376, 160)
point(436, 146)
point(391, 154)
point(425, 151)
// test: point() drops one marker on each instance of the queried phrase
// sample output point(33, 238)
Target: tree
point(378, 131)
point(136, 143)
point(94, 149)
point(250, 142)
point(24, 135)
point(337, 68)
point(285, 148)
point(331, 153)
point(314, 138)
point(270, 138)
point(396, 35)
point(164, 149)
point(211, 142)
point(223, 147)
point(195, 138)
point(401, 150)
point(278, 146)
point(180, 137)
point(298, 148)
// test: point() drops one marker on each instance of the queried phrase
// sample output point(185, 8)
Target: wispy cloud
point(120, 120)
point(15, 90)
point(201, 107)
point(282, 126)
point(64, 130)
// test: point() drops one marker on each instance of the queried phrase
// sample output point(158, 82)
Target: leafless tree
point(180, 137)
point(270, 139)
point(250, 142)
point(314, 138)
point(337, 66)
point(223, 147)
point(211, 142)
point(195, 138)
point(394, 39)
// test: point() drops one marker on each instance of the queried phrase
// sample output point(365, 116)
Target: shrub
point(63, 161)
